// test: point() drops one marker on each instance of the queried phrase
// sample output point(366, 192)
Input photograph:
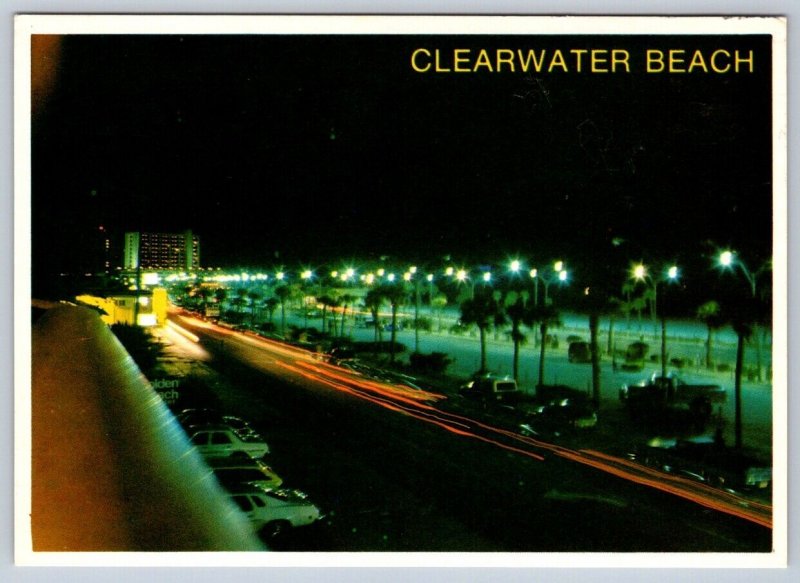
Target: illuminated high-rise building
point(161, 251)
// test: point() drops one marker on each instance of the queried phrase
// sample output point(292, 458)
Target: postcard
point(401, 291)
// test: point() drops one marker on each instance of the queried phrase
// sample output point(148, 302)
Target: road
point(401, 469)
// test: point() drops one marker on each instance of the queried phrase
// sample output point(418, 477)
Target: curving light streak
point(421, 415)
point(183, 331)
point(677, 485)
point(401, 392)
point(411, 402)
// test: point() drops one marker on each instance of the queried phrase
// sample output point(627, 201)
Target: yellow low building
point(121, 308)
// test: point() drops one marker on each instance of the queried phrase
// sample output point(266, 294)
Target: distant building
point(161, 251)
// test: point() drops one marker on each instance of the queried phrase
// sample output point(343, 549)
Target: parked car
point(274, 511)
point(658, 393)
point(488, 387)
point(221, 441)
point(340, 354)
point(705, 460)
point(196, 417)
point(190, 418)
point(580, 352)
point(559, 416)
point(230, 473)
point(635, 356)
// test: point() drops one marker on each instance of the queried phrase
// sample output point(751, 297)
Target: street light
point(729, 259)
point(556, 272)
point(534, 273)
point(670, 274)
point(407, 277)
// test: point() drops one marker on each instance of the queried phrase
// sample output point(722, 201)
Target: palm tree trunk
point(594, 323)
point(610, 344)
point(394, 332)
point(543, 345)
point(738, 390)
point(757, 338)
point(515, 338)
point(482, 332)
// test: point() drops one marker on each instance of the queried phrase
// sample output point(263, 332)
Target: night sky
point(288, 149)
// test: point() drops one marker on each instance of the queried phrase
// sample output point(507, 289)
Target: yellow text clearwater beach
point(597, 61)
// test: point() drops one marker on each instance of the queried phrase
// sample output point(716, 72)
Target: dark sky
point(332, 147)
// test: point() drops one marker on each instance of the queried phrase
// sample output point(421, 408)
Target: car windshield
point(287, 495)
point(241, 475)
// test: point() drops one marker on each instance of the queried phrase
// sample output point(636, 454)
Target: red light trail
point(417, 404)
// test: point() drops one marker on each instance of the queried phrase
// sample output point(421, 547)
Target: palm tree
point(269, 305)
point(396, 296)
point(283, 292)
point(547, 317)
point(373, 301)
point(347, 299)
point(439, 302)
point(743, 327)
point(241, 299)
point(254, 296)
point(328, 301)
point(517, 310)
point(483, 310)
point(712, 317)
point(596, 302)
point(626, 305)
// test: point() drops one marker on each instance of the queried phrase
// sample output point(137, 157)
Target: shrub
point(434, 363)
point(423, 324)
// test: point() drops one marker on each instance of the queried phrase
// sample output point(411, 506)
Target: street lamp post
point(305, 276)
point(534, 273)
point(670, 274)
point(556, 273)
point(462, 276)
point(429, 279)
point(408, 276)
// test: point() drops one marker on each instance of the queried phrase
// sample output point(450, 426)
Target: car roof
point(234, 464)
point(244, 488)
point(211, 427)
